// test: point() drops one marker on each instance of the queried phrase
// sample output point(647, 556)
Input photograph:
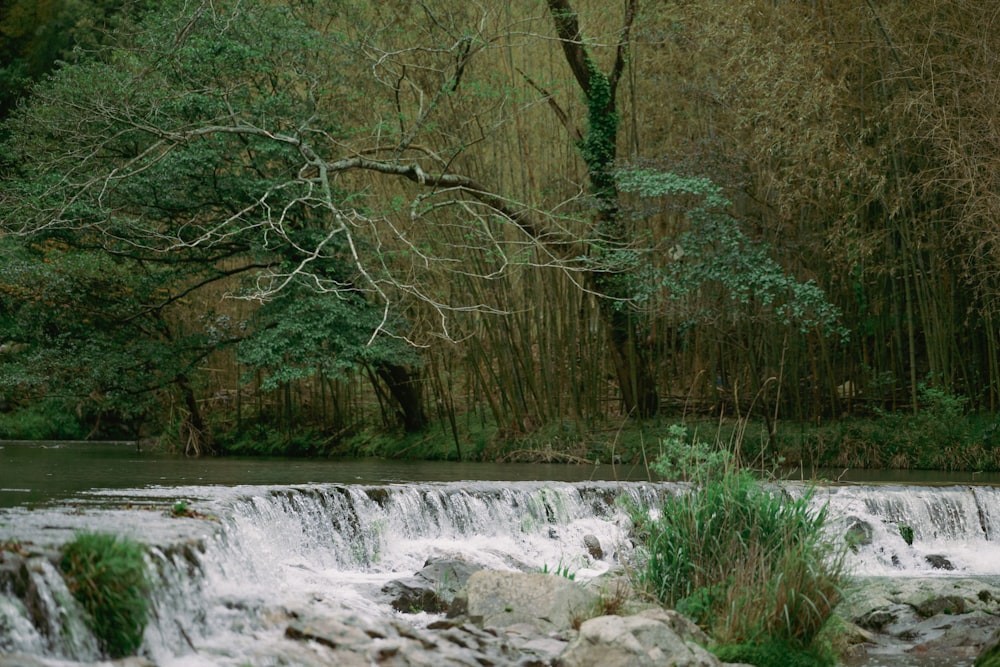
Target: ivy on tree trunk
point(598, 148)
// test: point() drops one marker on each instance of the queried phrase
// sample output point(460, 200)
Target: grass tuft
point(107, 576)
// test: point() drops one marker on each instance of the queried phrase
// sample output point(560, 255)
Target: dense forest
point(227, 223)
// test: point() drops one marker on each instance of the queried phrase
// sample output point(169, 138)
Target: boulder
point(494, 598)
point(646, 639)
point(942, 604)
point(431, 589)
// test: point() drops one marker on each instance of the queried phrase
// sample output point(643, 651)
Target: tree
point(97, 334)
point(218, 127)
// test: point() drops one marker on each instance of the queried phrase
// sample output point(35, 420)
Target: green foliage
point(683, 458)
point(599, 145)
point(107, 575)
point(776, 653)
point(302, 333)
point(83, 329)
point(48, 419)
point(715, 259)
point(702, 191)
point(748, 563)
point(35, 36)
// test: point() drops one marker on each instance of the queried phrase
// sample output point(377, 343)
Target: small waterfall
point(48, 619)
point(918, 530)
point(225, 590)
point(326, 551)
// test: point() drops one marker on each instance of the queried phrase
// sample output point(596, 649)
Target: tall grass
point(751, 565)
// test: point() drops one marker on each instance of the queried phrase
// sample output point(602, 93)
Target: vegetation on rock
point(107, 575)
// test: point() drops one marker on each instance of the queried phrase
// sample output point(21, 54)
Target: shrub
point(107, 576)
point(751, 566)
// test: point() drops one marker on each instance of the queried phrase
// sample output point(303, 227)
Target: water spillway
point(227, 581)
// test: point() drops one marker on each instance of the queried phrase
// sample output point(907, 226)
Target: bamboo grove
point(534, 215)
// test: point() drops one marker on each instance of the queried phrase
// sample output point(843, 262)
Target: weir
point(226, 585)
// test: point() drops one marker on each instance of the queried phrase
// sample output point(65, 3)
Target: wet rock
point(500, 599)
point(945, 620)
point(646, 639)
point(877, 619)
point(939, 562)
point(432, 589)
point(989, 656)
point(593, 546)
point(858, 533)
point(974, 631)
point(23, 660)
point(328, 632)
point(943, 604)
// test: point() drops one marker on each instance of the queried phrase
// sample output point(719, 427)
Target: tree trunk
point(405, 390)
point(598, 147)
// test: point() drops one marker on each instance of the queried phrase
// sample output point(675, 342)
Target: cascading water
point(225, 588)
point(918, 530)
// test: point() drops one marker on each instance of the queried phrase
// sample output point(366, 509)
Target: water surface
point(37, 472)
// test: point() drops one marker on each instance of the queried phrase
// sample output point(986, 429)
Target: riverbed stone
point(432, 588)
point(23, 660)
point(939, 562)
point(950, 619)
point(495, 598)
point(643, 640)
point(593, 546)
point(989, 656)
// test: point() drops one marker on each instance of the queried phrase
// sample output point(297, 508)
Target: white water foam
point(227, 589)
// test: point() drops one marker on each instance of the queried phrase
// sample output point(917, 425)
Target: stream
point(319, 539)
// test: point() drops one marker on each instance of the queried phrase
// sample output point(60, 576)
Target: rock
point(327, 631)
point(877, 619)
point(944, 604)
point(939, 562)
point(644, 640)
point(858, 533)
point(972, 634)
point(23, 660)
point(593, 546)
point(500, 599)
point(990, 655)
point(432, 589)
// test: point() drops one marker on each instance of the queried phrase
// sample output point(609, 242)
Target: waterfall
point(225, 588)
point(954, 529)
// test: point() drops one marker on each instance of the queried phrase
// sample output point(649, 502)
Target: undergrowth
point(754, 567)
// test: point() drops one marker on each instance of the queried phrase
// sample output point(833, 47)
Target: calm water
point(36, 472)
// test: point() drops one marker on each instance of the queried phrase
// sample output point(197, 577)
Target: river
point(323, 536)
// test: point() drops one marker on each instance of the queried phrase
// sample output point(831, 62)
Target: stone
point(495, 598)
point(432, 589)
point(990, 654)
point(942, 604)
point(643, 640)
point(939, 562)
point(327, 631)
point(859, 533)
point(593, 546)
